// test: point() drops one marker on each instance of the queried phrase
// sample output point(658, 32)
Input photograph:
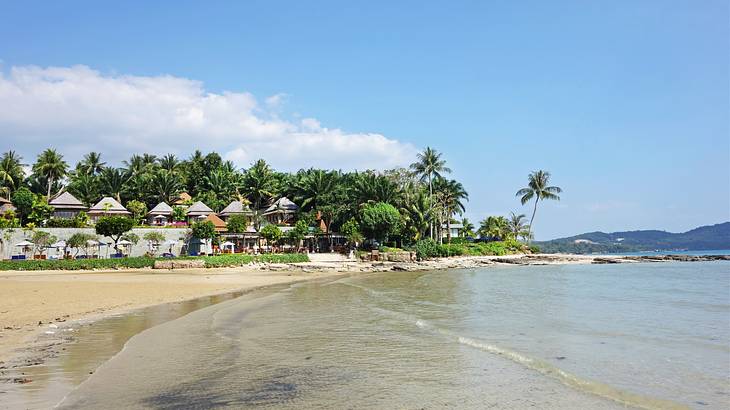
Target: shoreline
point(31, 335)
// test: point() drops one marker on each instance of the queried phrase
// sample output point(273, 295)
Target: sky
point(626, 103)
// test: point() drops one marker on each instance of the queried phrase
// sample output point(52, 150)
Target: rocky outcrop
point(179, 264)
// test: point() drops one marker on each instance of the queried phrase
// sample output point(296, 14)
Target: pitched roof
point(217, 222)
point(182, 198)
point(199, 208)
point(67, 201)
point(161, 209)
point(114, 207)
point(236, 207)
point(283, 205)
point(4, 201)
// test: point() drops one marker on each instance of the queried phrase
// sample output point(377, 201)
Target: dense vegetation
point(703, 238)
point(146, 262)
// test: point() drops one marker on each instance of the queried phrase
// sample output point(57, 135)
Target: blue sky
point(626, 103)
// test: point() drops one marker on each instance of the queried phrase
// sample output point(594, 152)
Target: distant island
point(710, 237)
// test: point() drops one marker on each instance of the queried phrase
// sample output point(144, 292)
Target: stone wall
point(9, 237)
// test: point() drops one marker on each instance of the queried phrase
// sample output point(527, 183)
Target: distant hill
point(703, 238)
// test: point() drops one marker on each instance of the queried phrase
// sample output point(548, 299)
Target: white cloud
point(77, 109)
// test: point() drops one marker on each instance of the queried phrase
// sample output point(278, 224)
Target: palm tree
point(11, 171)
point(51, 166)
point(417, 211)
point(467, 228)
point(312, 186)
point(371, 187)
point(258, 184)
point(113, 181)
point(428, 166)
point(538, 188)
point(494, 227)
point(169, 162)
point(85, 187)
point(517, 225)
point(450, 194)
point(165, 186)
point(91, 164)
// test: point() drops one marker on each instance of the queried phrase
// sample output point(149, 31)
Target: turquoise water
point(654, 335)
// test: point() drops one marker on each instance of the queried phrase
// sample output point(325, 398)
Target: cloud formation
point(78, 109)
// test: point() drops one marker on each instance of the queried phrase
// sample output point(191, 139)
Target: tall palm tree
point(258, 184)
point(113, 181)
point(51, 166)
point(91, 164)
point(517, 225)
point(312, 186)
point(494, 227)
point(11, 171)
point(539, 189)
point(467, 228)
point(417, 211)
point(85, 187)
point(428, 166)
point(165, 186)
point(169, 162)
point(450, 194)
point(371, 187)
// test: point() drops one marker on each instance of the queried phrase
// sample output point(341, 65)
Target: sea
point(645, 335)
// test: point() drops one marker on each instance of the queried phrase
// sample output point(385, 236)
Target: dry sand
point(30, 298)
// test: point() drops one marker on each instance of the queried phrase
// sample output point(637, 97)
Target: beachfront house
point(66, 206)
point(5, 206)
point(160, 215)
point(281, 212)
point(235, 208)
point(198, 211)
point(108, 206)
point(454, 229)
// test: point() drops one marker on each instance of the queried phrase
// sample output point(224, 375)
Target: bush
point(78, 264)
point(535, 249)
point(427, 248)
point(379, 221)
point(240, 260)
point(237, 224)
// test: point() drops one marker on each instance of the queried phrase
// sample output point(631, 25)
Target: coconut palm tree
point(450, 195)
point(85, 187)
point(494, 227)
point(165, 186)
point(428, 166)
point(169, 162)
point(517, 225)
point(113, 181)
point(258, 184)
point(312, 186)
point(91, 164)
point(467, 229)
point(51, 166)
point(11, 171)
point(539, 189)
point(417, 212)
point(370, 188)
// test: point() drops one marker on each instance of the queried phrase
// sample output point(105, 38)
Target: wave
point(543, 367)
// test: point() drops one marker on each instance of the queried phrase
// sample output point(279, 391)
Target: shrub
point(237, 224)
point(534, 249)
point(379, 221)
point(427, 248)
point(271, 233)
point(203, 230)
point(240, 260)
point(77, 264)
point(114, 227)
point(23, 200)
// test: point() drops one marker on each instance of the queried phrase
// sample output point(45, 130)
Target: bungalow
point(235, 208)
point(198, 211)
point(183, 199)
point(220, 226)
point(106, 207)
point(281, 212)
point(5, 206)
point(160, 215)
point(454, 229)
point(66, 206)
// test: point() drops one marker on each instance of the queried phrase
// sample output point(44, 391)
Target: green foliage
point(203, 230)
point(114, 226)
point(138, 210)
point(77, 264)
point(351, 230)
point(427, 248)
point(154, 237)
point(242, 259)
point(79, 239)
point(237, 224)
point(40, 212)
point(534, 249)
point(81, 220)
point(131, 237)
point(178, 213)
point(42, 239)
point(23, 201)
point(299, 232)
point(379, 221)
point(271, 233)
point(8, 220)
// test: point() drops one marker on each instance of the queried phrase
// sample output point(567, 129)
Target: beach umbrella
point(92, 242)
point(24, 244)
point(59, 244)
point(124, 242)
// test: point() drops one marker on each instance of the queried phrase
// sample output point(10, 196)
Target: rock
point(179, 264)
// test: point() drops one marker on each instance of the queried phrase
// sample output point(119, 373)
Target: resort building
point(220, 226)
point(106, 207)
point(66, 206)
point(198, 211)
point(5, 206)
point(235, 208)
point(183, 199)
point(160, 215)
point(454, 229)
point(281, 212)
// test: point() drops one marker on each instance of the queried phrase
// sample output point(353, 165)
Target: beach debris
point(560, 357)
point(21, 380)
point(702, 403)
point(308, 357)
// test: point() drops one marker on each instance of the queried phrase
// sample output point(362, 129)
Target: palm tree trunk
point(430, 204)
point(50, 182)
point(529, 228)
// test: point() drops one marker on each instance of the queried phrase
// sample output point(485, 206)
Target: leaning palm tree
point(51, 166)
point(539, 189)
point(429, 166)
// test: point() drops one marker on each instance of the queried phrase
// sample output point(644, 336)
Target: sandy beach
point(31, 301)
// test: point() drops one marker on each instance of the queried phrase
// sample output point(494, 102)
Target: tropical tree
point(450, 196)
point(494, 227)
point(11, 172)
point(518, 226)
point(85, 187)
point(271, 233)
point(138, 210)
point(165, 186)
point(114, 227)
point(112, 182)
point(51, 166)
point(417, 213)
point(371, 188)
point(379, 221)
point(428, 166)
point(538, 187)
point(154, 239)
point(467, 228)
point(23, 201)
point(312, 186)
point(258, 184)
point(237, 224)
point(91, 164)
point(169, 163)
